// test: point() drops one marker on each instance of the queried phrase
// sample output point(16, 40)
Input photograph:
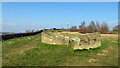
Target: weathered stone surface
point(90, 40)
point(76, 40)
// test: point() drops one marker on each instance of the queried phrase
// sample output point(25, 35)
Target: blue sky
point(20, 16)
point(59, 0)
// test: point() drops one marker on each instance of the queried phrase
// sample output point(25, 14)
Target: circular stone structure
point(75, 39)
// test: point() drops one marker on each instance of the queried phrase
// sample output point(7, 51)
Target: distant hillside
point(6, 33)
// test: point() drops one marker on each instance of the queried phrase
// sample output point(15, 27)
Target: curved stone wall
point(76, 40)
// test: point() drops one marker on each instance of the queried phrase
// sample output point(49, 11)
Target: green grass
point(30, 51)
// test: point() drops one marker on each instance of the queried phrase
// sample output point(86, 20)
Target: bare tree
point(116, 28)
point(91, 27)
point(73, 28)
point(104, 28)
point(97, 27)
point(82, 28)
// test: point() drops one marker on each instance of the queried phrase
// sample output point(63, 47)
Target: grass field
point(30, 51)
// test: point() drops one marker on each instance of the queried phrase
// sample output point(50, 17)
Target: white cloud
point(113, 22)
point(0, 24)
point(20, 27)
point(0, 21)
point(34, 24)
point(10, 24)
point(60, 0)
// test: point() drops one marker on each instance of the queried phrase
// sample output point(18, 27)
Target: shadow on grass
point(86, 50)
